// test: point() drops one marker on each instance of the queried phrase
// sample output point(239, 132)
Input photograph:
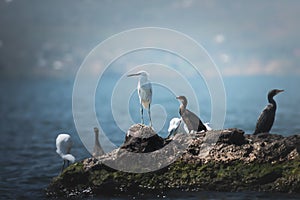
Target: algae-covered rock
point(224, 160)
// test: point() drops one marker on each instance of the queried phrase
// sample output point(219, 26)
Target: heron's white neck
point(143, 80)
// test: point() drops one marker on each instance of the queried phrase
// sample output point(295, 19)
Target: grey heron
point(63, 147)
point(267, 117)
point(191, 120)
point(145, 93)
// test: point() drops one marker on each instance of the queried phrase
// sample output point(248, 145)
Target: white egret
point(98, 151)
point(63, 147)
point(190, 119)
point(145, 93)
point(207, 126)
point(177, 126)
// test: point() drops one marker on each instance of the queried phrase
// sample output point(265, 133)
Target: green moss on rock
point(257, 170)
point(235, 176)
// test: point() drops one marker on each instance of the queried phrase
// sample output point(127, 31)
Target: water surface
point(34, 112)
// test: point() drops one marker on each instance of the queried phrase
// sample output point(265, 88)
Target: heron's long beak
point(137, 74)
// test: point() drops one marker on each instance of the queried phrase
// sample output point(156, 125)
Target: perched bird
point(145, 93)
point(63, 147)
point(267, 117)
point(208, 128)
point(177, 125)
point(97, 151)
point(192, 122)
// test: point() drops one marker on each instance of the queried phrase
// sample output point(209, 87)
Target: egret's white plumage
point(207, 126)
point(177, 125)
point(63, 147)
point(145, 93)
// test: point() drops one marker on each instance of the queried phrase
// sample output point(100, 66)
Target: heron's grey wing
point(150, 91)
point(145, 92)
point(265, 120)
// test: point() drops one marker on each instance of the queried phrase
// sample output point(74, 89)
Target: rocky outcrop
point(142, 139)
point(224, 160)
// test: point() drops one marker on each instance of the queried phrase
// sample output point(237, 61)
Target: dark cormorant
point(190, 119)
point(267, 117)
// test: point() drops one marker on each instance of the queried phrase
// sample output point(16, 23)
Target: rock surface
point(142, 139)
point(224, 160)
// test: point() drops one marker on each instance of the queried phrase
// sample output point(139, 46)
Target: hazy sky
point(257, 37)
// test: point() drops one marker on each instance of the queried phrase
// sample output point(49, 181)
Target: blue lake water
point(34, 112)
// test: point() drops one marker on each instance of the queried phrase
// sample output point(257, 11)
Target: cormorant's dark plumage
point(190, 119)
point(267, 117)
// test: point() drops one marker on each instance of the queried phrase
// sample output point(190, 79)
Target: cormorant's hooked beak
point(137, 74)
point(279, 91)
point(180, 99)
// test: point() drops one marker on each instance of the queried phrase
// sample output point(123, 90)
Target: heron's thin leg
point(142, 117)
point(150, 116)
point(68, 163)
